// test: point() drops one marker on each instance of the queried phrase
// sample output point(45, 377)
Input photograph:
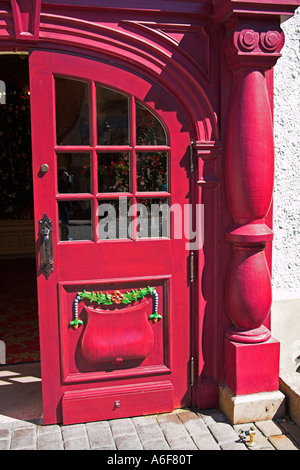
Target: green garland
point(115, 298)
point(108, 299)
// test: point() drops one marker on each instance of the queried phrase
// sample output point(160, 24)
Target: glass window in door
point(113, 163)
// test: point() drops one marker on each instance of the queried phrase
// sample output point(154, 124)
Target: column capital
point(252, 44)
point(253, 37)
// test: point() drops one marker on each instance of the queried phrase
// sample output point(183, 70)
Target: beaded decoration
point(115, 298)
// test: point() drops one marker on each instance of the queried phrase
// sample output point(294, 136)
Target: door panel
point(114, 310)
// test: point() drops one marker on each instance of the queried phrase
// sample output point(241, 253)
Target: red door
point(109, 157)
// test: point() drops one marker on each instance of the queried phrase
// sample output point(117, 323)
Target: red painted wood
point(117, 336)
point(172, 45)
point(158, 347)
point(181, 47)
point(249, 182)
point(250, 148)
point(26, 17)
point(265, 8)
point(252, 368)
point(249, 300)
point(249, 170)
point(119, 402)
point(75, 369)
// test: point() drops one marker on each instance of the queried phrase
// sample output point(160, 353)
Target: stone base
point(254, 407)
point(291, 389)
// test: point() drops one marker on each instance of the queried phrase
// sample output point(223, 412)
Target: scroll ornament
point(115, 298)
point(249, 40)
point(253, 48)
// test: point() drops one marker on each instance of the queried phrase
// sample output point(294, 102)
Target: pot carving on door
point(120, 332)
point(117, 335)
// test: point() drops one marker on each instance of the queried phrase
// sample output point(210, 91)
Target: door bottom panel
point(117, 402)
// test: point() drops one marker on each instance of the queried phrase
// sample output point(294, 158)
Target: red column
point(249, 183)
point(251, 355)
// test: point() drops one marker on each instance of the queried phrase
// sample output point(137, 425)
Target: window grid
point(94, 149)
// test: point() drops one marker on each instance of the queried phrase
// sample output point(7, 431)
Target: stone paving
point(180, 431)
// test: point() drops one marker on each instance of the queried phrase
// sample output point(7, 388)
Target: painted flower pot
point(117, 335)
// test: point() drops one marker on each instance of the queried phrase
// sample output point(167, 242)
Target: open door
point(110, 156)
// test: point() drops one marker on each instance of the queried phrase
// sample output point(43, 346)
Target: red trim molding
point(26, 18)
point(282, 9)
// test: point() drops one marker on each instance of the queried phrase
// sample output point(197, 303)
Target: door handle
point(46, 246)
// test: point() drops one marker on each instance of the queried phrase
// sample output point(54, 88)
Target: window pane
point(113, 219)
point(113, 172)
point(152, 170)
point(112, 117)
point(72, 112)
point(75, 220)
point(16, 185)
point(152, 218)
point(149, 131)
point(73, 173)
point(2, 92)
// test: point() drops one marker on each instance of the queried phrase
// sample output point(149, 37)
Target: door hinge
point(191, 157)
point(191, 267)
point(192, 371)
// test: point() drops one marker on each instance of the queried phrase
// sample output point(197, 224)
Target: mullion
point(72, 148)
point(133, 149)
point(93, 137)
point(74, 197)
point(94, 159)
point(112, 148)
point(132, 132)
point(152, 194)
point(151, 148)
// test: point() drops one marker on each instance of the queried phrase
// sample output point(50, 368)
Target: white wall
point(286, 246)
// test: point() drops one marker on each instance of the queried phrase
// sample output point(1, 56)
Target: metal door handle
point(46, 247)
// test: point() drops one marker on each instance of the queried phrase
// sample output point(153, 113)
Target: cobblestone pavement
point(182, 431)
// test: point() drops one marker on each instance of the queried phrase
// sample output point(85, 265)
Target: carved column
point(251, 354)
point(249, 181)
point(252, 42)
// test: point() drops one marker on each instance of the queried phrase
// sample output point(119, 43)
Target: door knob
point(44, 168)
